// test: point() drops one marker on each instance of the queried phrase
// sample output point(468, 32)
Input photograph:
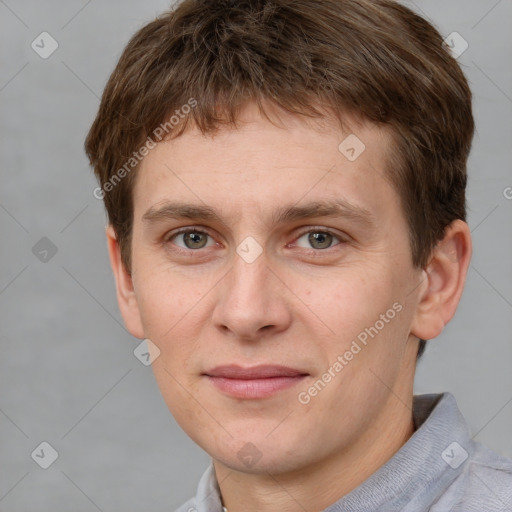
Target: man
point(285, 186)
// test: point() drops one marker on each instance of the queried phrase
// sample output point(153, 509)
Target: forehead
point(257, 167)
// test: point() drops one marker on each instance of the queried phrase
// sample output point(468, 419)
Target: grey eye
point(192, 239)
point(318, 239)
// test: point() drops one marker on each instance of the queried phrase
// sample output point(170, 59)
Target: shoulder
point(189, 506)
point(486, 483)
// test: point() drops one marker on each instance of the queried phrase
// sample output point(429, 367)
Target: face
point(270, 245)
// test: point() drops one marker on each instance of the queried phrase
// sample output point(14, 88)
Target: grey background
point(68, 375)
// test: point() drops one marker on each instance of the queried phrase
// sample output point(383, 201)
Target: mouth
point(254, 382)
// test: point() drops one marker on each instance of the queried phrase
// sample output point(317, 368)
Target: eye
point(190, 239)
point(317, 239)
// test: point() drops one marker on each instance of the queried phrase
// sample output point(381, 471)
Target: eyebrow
point(338, 208)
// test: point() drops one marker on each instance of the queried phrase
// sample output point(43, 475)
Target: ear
point(443, 281)
point(126, 297)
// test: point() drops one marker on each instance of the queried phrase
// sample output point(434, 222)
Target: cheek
point(169, 307)
point(364, 320)
point(347, 300)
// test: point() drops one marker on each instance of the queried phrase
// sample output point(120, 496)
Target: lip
point(262, 371)
point(254, 382)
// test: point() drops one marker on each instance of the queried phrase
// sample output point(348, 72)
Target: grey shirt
point(439, 469)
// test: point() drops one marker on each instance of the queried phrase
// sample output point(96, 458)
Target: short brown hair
point(375, 59)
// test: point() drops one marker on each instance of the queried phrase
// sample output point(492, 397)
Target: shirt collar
point(433, 457)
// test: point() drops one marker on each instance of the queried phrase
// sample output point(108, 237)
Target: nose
point(252, 301)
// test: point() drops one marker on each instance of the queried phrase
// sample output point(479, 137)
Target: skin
point(296, 305)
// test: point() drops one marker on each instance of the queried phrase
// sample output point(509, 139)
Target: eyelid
point(185, 229)
point(320, 229)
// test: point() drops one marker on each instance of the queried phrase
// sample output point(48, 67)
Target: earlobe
point(443, 281)
point(126, 297)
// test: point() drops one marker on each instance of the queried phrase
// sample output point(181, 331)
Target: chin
point(277, 463)
point(260, 454)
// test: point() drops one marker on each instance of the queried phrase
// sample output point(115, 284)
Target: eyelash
point(310, 229)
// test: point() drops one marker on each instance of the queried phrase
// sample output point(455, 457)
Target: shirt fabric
point(439, 469)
